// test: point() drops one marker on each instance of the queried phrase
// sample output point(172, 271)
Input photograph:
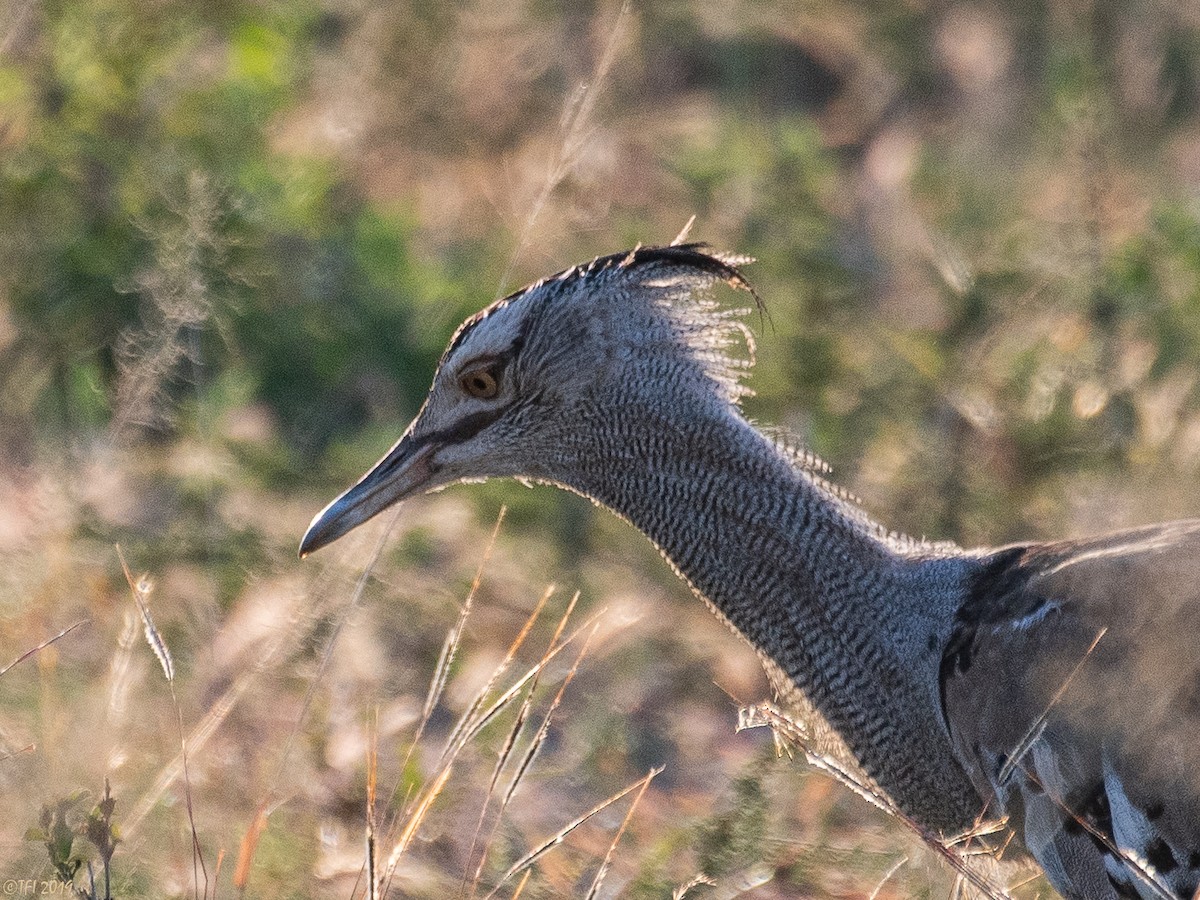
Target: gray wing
point(1071, 689)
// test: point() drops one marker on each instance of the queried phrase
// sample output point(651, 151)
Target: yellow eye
point(480, 383)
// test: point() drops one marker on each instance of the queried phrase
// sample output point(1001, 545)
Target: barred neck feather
point(854, 618)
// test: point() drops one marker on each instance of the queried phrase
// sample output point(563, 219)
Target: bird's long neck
point(853, 620)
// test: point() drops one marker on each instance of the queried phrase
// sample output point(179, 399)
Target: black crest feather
point(697, 257)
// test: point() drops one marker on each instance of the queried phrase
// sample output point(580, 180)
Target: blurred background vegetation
point(235, 236)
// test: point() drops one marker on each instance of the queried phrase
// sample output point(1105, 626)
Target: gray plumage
point(1056, 684)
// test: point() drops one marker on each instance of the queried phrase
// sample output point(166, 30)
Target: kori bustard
point(1053, 685)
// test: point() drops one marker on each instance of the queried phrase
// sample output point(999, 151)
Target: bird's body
point(1074, 672)
point(1057, 685)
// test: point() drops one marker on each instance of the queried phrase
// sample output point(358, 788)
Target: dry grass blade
point(1036, 729)
point(486, 717)
point(794, 732)
point(141, 590)
point(327, 653)
point(612, 847)
point(120, 670)
point(544, 729)
point(539, 737)
point(521, 885)
point(739, 883)
point(477, 702)
point(241, 875)
point(523, 713)
point(43, 645)
point(217, 871)
point(195, 740)
point(451, 645)
point(28, 748)
point(502, 758)
point(573, 137)
point(417, 812)
point(479, 714)
point(545, 847)
point(682, 237)
point(372, 780)
point(514, 732)
point(887, 876)
point(1141, 867)
point(427, 797)
point(697, 880)
point(441, 673)
point(510, 742)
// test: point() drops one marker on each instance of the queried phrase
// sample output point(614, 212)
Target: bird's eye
point(480, 383)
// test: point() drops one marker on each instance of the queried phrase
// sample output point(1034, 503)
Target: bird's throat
point(853, 620)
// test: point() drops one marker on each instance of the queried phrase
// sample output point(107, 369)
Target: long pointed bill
point(404, 471)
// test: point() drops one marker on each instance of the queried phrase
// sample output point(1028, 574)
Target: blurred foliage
point(962, 218)
point(146, 206)
point(99, 832)
point(235, 236)
point(734, 839)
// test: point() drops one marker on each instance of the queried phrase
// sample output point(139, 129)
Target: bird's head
point(526, 375)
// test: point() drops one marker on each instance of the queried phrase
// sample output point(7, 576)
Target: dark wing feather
point(1071, 688)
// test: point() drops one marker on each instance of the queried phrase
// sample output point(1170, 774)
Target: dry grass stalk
point(372, 781)
point(416, 811)
point(43, 645)
point(441, 673)
point(514, 731)
point(574, 134)
point(737, 883)
point(521, 885)
point(1035, 730)
point(525, 862)
point(887, 876)
point(470, 729)
point(28, 748)
point(241, 875)
point(531, 751)
point(424, 802)
point(120, 671)
point(612, 847)
point(464, 733)
point(788, 731)
point(327, 653)
point(697, 880)
point(217, 871)
point(544, 729)
point(482, 710)
point(469, 716)
point(196, 740)
point(225, 705)
point(1141, 867)
point(141, 589)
